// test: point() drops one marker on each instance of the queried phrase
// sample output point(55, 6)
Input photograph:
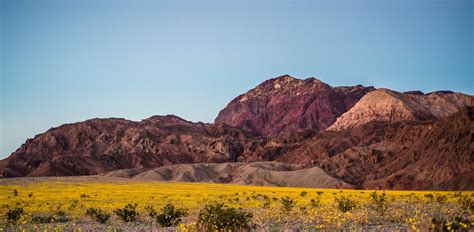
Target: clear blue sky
point(69, 60)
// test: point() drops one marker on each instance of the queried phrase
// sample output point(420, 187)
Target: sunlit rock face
point(285, 104)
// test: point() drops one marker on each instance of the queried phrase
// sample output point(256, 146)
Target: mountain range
point(285, 132)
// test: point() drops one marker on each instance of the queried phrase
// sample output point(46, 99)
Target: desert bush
point(430, 196)
point(441, 199)
point(345, 204)
point(287, 203)
point(13, 215)
point(466, 203)
point(151, 211)
point(303, 209)
point(379, 202)
point(267, 204)
point(315, 202)
point(217, 217)
point(458, 223)
point(58, 216)
point(128, 213)
point(169, 216)
point(98, 215)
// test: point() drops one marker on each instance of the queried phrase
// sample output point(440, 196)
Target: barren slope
point(260, 173)
point(390, 106)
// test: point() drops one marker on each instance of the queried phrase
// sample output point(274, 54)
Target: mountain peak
point(285, 104)
point(170, 118)
point(284, 78)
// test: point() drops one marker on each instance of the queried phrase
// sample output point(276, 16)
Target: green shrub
point(303, 209)
point(455, 224)
point(315, 202)
point(169, 216)
point(345, 204)
point(466, 203)
point(98, 215)
point(151, 211)
point(287, 203)
point(128, 213)
point(267, 204)
point(379, 201)
point(13, 215)
point(429, 196)
point(217, 217)
point(441, 199)
point(458, 194)
point(58, 216)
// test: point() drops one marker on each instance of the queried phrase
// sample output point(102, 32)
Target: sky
point(64, 61)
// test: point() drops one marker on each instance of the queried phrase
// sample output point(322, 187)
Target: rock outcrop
point(390, 106)
point(286, 104)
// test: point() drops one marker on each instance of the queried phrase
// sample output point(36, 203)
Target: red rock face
point(99, 145)
point(287, 104)
point(386, 155)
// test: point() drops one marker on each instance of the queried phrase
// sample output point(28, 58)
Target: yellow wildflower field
point(271, 208)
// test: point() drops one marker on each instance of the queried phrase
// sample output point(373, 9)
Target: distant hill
point(258, 173)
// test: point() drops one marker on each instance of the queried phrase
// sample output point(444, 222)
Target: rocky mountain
point(286, 104)
point(389, 106)
point(352, 136)
point(101, 145)
point(387, 155)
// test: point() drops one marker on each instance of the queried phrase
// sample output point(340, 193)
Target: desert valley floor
point(96, 203)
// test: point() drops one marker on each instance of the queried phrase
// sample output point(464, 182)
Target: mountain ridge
point(362, 136)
